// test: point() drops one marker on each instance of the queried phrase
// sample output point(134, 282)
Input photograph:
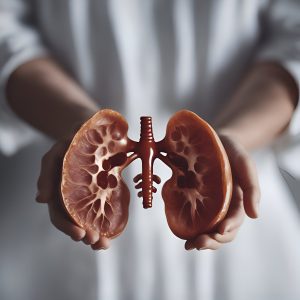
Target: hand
point(244, 201)
point(49, 192)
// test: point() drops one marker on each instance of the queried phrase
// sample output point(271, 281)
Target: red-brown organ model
point(196, 197)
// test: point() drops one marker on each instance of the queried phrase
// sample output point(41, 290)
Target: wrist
point(261, 108)
point(231, 133)
point(45, 96)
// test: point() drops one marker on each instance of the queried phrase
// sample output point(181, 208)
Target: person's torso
point(154, 58)
point(153, 55)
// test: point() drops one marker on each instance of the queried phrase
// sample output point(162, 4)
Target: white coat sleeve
point(281, 25)
point(19, 43)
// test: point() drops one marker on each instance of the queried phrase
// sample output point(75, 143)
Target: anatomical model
point(196, 196)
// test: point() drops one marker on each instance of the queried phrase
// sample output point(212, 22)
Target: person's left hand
point(244, 201)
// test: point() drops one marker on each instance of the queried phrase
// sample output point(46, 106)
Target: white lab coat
point(153, 58)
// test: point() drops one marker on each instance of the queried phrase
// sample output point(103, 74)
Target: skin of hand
point(265, 99)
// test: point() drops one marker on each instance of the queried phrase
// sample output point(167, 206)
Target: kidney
point(196, 197)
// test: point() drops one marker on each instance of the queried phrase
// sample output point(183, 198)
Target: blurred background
point(152, 57)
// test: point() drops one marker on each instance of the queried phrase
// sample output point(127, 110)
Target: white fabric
point(152, 58)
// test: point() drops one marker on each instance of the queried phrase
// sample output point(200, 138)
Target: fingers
point(244, 172)
point(49, 178)
point(60, 221)
point(225, 238)
point(211, 241)
point(102, 244)
point(236, 213)
point(202, 242)
point(91, 237)
point(226, 230)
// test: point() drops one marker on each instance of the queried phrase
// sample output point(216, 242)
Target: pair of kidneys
point(196, 197)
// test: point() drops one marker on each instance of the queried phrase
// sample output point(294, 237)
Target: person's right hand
point(49, 192)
